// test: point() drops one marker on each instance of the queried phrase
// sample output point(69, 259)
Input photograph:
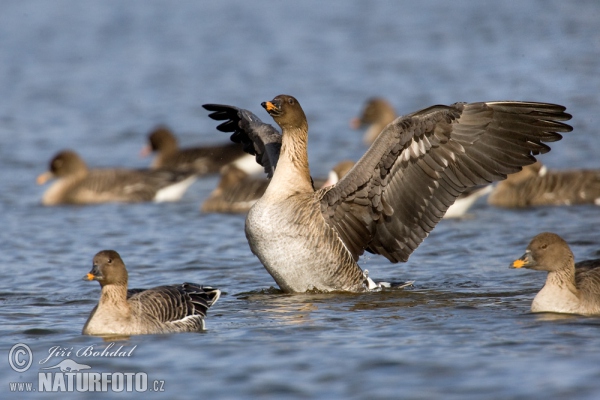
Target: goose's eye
point(544, 246)
point(109, 261)
point(291, 101)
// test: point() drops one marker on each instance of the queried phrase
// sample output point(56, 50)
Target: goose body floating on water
point(570, 288)
point(236, 192)
point(537, 185)
point(393, 196)
point(162, 309)
point(202, 160)
point(76, 184)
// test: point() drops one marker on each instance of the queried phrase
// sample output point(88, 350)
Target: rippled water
point(96, 76)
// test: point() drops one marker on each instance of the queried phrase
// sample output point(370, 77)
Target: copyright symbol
point(20, 357)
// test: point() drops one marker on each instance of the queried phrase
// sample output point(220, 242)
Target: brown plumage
point(395, 194)
point(202, 160)
point(236, 191)
point(570, 288)
point(77, 184)
point(162, 309)
point(457, 210)
point(536, 185)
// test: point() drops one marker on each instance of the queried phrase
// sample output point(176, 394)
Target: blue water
point(97, 76)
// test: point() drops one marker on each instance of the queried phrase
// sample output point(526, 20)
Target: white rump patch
point(174, 192)
point(249, 165)
point(462, 204)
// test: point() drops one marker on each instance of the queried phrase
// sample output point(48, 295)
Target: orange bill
point(269, 106)
point(44, 177)
point(145, 151)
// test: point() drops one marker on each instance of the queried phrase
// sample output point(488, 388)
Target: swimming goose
point(76, 184)
point(376, 114)
point(238, 189)
point(570, 288)
point(162, 309)
point(536, 185)
point(394, 195)
point(202, 160)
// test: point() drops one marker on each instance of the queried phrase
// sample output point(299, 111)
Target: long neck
point(292, 173)
point(564, 278)
point(115, 297)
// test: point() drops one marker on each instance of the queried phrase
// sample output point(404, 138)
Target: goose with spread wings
point(392, 198)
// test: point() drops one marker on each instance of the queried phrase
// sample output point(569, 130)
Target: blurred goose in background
point(238, 188)
point(376, 114)
point(391, 199)
point(162, 309)
point(536, 185)
point(76, 184)
point(570, 288)
point(202, 160)
point(236, 191)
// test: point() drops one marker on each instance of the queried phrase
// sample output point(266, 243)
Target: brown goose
point(236, 192)
point(76, 184)
point(570, 288)
point(394, 195)
point(239, 189)
point(163, 309)
point(536, 185)
point(202, 160)
point(376, 114)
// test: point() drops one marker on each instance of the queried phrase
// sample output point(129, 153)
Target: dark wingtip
point(212, 107)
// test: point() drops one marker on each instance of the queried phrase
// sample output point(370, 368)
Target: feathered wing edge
point(402, 186)
point(257, 138)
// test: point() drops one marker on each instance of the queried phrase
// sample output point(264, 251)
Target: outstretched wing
point(259, 139)
point(400, 189)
